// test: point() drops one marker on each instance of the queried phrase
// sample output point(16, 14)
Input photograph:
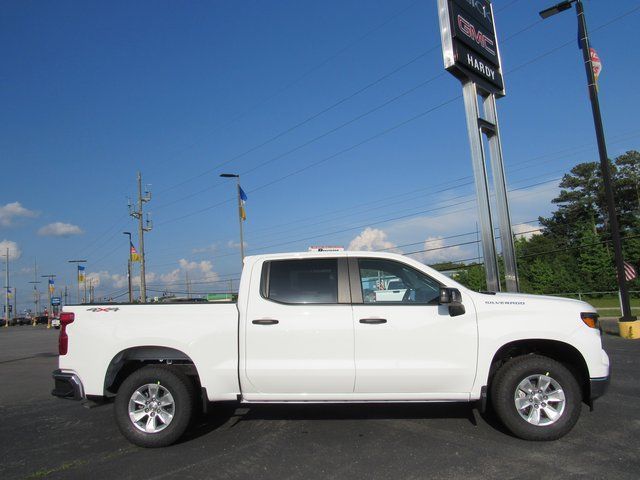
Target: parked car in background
point(394, 292)
point(21, 321)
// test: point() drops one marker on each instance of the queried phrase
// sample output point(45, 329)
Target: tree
point(595, 263)
point(581, 201)
point(627, 181)
point(472, 277)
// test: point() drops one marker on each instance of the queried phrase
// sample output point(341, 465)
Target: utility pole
point(143, 227)
point(6, 289)
point(629, 325)
point(36, 292)
point(65, 294)
point(77, 273)
point(50, 311)
point(129, 266)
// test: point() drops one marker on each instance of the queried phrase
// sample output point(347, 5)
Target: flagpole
point(78, 262)
point(240, 211)
point(241, 221)
point(6, 289)
point(628, 324)
point(50, 311)
point(604, 166)
point(129, 267)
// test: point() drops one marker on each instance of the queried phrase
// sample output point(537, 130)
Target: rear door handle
point(265, 321)
point(373, 321)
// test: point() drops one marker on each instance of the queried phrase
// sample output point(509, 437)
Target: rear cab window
point(307, 281)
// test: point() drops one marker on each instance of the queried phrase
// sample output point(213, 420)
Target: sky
point(340, 119)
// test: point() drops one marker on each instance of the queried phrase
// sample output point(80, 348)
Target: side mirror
point(453, 298)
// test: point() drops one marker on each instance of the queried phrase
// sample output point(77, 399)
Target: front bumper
point(599, 386)
point(67, 385)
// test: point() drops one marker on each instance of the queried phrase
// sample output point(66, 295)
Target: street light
point(604, 158)
point(237, 177)
point(560, 7)
point(129, 266)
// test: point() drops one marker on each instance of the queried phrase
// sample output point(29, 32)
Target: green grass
point(609, 305)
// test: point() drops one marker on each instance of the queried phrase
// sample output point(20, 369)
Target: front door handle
point(265, 321)
point(373, 321)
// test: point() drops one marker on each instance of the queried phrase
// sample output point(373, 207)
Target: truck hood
point(531, 301)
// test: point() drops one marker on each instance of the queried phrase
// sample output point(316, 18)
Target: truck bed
point(208, 331)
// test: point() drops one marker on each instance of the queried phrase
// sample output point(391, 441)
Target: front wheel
point(154, 406)
point(536, 397)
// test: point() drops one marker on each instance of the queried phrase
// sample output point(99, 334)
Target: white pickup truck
point(302, 331)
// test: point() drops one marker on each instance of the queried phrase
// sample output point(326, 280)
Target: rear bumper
point(67, 385)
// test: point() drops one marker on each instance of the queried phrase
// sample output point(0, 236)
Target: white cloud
point(437, 250)
point(371, 239)
point(60, 229)
point(235, 245)
point(171, 277)
point(14, 250)
point(207, 249)
point(203, 269)
point(106, 279)
point(14, 210)
point(525, 230)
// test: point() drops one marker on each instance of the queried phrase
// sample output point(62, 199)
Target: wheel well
point(128, 361)
point(562, 352)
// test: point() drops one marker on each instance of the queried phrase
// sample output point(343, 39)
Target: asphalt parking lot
point(44, 437)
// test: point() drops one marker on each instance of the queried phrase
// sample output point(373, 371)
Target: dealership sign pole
point(471, 54)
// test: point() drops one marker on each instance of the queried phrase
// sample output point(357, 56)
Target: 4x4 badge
point(103, 309)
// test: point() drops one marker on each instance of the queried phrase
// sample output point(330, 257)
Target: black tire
point(180, 388)
point(503, 391)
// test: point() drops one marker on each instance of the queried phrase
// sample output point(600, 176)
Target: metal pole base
point(630, 330)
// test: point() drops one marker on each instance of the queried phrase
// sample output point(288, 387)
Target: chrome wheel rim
point(151, 408)
point(540, 400)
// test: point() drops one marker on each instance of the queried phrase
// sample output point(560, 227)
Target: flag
point(243, 198)
point(52, 286)
point(80, 273)
point(133, 253)
point(596, 64)
point(630, 272)
point(9, 293)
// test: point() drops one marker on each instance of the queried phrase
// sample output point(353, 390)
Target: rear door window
point(302, 281)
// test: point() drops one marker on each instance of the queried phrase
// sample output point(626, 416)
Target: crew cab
point(303, 330)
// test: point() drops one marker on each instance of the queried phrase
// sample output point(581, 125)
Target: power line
point(323, 160)
point(368, 224)
point(318, 114)
point(401, 124)
point(392, 128)
point(297, 80)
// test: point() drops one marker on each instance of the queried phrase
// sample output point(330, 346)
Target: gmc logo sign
point(476, 35)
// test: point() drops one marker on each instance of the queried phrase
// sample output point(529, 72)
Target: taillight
point(63, 341)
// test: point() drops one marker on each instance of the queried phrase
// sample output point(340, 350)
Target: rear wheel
point(154, 406)
point(536, 397)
